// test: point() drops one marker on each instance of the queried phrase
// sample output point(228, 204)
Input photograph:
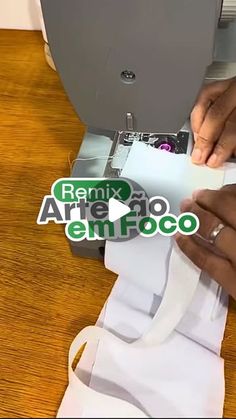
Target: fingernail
point(196, 155)
point(213, 161)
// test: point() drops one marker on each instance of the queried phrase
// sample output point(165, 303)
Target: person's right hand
point(218, 259)
point(213, 121)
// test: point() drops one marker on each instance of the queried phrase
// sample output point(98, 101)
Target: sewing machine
point(133, 69)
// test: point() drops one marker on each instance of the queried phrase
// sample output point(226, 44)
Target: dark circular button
point(128, 76)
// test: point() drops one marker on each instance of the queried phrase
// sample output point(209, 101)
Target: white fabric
point(174, 302)
point(169, 175)
point(145, 261)
point(182, 377)
point(146, 383)
point(78, 395)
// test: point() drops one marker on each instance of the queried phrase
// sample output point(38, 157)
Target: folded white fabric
point(145, 261)
point(178, 378)
point(132, 374)
point(144, 377)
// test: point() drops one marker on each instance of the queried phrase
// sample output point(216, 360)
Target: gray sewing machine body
point(132, 70)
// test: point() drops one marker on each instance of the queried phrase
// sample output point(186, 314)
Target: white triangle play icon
point(117, 210)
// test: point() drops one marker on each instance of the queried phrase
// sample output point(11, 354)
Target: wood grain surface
point(46, 294)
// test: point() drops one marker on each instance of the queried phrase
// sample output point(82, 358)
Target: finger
point(213, 125)
point(225, 242)
point(229, 188)
point(208, 95)
point(208, 221)
point(225, 147)
point(216, 267)
point(221, 203)
point(199, 112)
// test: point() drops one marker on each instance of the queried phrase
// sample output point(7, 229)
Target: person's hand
point(218, 259)
point(213, 122)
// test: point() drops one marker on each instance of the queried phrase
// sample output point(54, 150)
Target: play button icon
point(117, 210)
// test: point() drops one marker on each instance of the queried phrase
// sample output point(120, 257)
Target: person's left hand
point(213, 209)
point(213, 122)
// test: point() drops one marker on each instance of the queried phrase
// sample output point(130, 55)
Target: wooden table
point(46, 294)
